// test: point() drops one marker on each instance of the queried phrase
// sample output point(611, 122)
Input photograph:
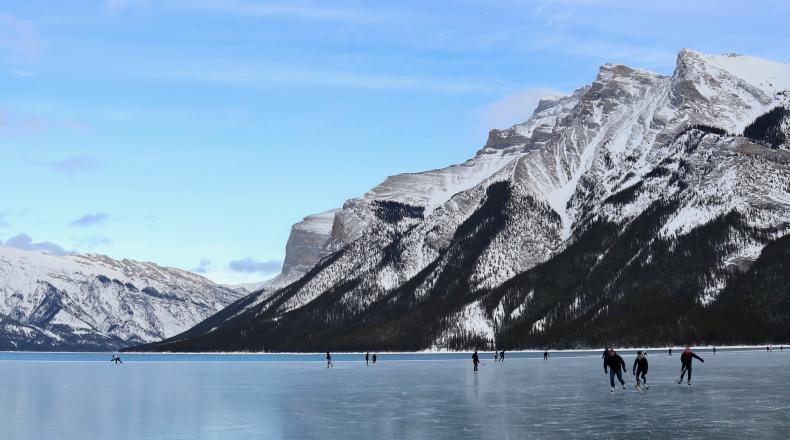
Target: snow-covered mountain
point(92, 302)
point(626, 211)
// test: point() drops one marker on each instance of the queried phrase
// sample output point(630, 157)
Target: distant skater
point(475, 359)
point(670, 351)
point(768, 348)
point(714, 350)
point(615, 366)
point(328, 360)
point(374, 359)
point(367, 359)
point(545, 355)
point(639, 369)
point(502, 356)
point(116, 359)
point(496, 356)
point(685, 363)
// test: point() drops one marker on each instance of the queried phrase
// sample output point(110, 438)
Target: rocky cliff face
point(92, 302)
point(622, 213)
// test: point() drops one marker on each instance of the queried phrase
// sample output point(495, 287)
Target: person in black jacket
point(328, 360)
point(367, 358)
point(615, 366)
point(475, 359)
point(685, 363)
point(640, 369)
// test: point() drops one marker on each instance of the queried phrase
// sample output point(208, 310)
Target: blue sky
point(193, 134)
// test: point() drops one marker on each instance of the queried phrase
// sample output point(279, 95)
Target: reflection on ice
point(734, 395)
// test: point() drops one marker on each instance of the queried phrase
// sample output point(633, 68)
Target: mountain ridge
point(633, 149)
point(93, 302)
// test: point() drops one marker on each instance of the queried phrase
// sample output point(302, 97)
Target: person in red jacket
point(685, 363)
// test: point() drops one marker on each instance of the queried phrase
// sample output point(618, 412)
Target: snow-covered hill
point(639, 195)
point(92, 302)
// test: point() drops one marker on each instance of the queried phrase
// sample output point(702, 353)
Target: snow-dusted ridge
point(96, 303)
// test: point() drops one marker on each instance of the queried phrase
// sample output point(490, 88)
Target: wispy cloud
point(261, 75)
point(250, 265)
point(93, 242)
point(515, 107)
point(117, 5)
point(204, 266)
point(293, 9)
point(91, 219)
point(15, 121)
point(70, 165)
point(25, 242)
point(19, 38)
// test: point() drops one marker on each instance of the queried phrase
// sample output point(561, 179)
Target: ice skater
point(545, 355)
point(714, 350)
point(639, 369)
point(496, 355)
point(116, 359)
point(502, 356)
point(374, 359)
point(328, 360)
point(615, 366)
point(670, 351)
point(367, 359)
point(475, 359)
point(685, 364)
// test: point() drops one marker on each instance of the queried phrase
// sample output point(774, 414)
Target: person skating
point(714, 350)
point(639, 369)
point(328, 360)
point(367, 359)
point(502, 356)
point(475, 359)
point(116, 359)
point(545, 355)
point(496, 355)
point(685, 363)
point(670, 351)
point(615, 366)
point(374, 359)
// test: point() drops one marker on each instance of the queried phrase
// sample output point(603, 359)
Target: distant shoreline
point(426, 352)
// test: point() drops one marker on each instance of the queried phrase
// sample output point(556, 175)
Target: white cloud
point(20, 38)
point(514, 108)
point(25, 242)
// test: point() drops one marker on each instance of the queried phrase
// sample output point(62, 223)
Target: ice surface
point(735, 394)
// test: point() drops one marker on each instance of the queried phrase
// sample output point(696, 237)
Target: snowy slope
point(94, 302)
point(611, 180)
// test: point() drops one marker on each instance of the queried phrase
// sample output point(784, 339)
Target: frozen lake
point(735, 394)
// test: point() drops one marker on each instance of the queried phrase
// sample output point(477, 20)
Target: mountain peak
point(771, 77)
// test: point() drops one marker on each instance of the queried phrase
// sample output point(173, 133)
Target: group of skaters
point(368, 359)
point(614, 365)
